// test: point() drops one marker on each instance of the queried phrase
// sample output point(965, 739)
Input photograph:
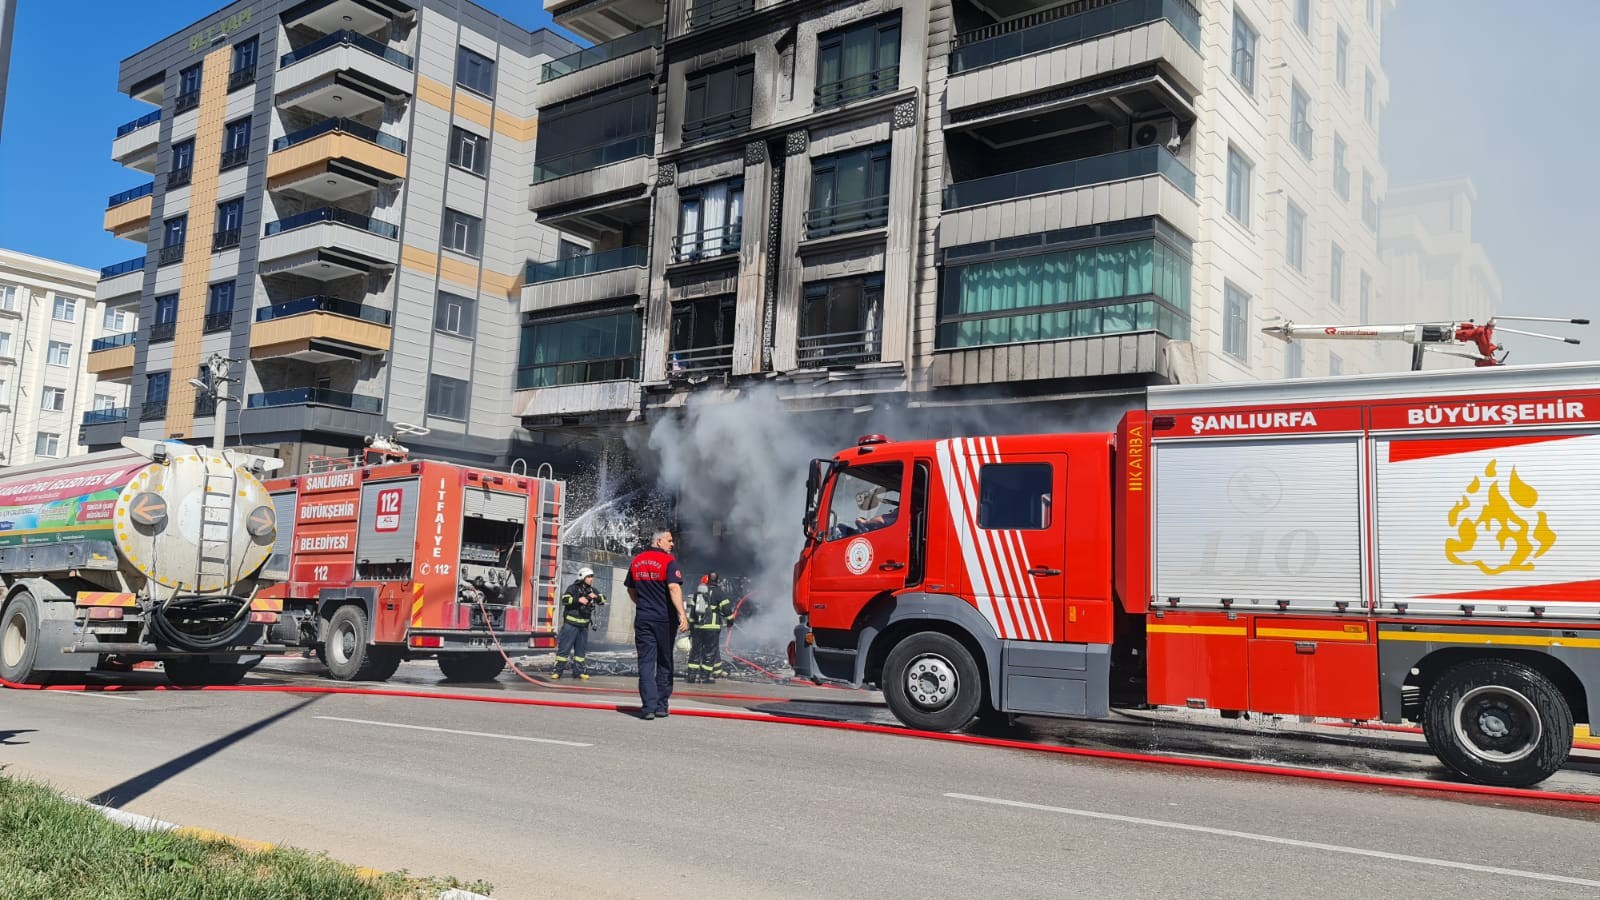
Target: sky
point(1476, 91)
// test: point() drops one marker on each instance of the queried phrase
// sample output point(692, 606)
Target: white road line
point(484, 734)
point(98, 695)
point(1287, 842)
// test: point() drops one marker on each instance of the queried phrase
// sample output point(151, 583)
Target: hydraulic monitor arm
point(1467, 340)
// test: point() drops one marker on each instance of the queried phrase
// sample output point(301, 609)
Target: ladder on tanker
point(218, 501)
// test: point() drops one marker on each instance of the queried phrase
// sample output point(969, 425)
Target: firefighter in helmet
point(709, 610)
point(578, 605)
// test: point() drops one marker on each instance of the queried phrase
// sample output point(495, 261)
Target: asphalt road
point(548, 802)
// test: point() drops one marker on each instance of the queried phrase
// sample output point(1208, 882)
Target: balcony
point(105, 416)
point(705, 14)
point(111, 357)
point(594, 56)
point(707, 244)
point(113, 341)
point(1070, 174)
point(137, 141)
point(318, 330)
point(162, 332)
point(619, 170)
point(607, 275)
point(186, 102)
point(694, 363)
point(153, 411)
point(335, 159)
point(843, 218)
point(121, 280)
point(234, 157)
point(731, 122)
point(593, 158)
point(314, 409)
point(226, 239)
point(867, 84)
point(221, 320)
point(178, 178)
point(606, 20)
point(328, 243)
point(344, 73)
point(128, 213)
point(362, 15)
point(241, 79)
point(172, 253)
point(838, 350)
point(595, 68)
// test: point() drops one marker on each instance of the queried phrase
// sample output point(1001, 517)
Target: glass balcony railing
point(131, 194)
point(149, 118)
point(593, 56)
point(587, 264)
point(315, 396)
point(333, 305)
point(122, 268)
point(348, 126)
point(353, 38)
point(1075, 173)
point(333, 214)
point(592, 158)
point(610, 368)
point(1067, 24)
point(105, 416)
point(853, 215)
point(113, 341)
point(843, 348)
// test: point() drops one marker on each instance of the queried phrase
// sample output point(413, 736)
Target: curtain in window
point(715, 212)
point(857, 54)
point(689, 228)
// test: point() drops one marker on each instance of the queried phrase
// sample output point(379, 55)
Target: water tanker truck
point(148, 552)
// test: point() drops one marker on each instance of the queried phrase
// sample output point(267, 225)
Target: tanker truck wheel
point(1498, 722)
point(348, 650)
point(472, 667)
point(931, 682)
point(197, 671)
point(19, 641)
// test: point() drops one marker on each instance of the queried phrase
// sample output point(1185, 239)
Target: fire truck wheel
point(1498, 722)
point(19, 641)
point(199, 672)
point(472, 667)
point(349, 652)
point(931, 682)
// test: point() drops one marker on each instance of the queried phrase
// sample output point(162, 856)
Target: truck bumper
point(424, 643)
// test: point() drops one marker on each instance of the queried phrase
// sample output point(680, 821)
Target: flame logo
point(1498, 538)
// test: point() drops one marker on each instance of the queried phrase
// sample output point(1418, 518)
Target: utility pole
point(218, 367)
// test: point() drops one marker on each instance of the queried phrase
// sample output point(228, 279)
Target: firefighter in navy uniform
point(578, 605)
point(708, 612)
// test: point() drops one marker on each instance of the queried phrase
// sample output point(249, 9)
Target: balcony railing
point(694, 361)
point(348, 126)
point(333, 305)
point(1075, 173)
point(186, 102)
point(842, 348)
point(122, 268)
point(584, 371)
point(177, 178)
point(703, 13)
point(131, 194)
point(593, 158)
point(707, 243)
point(1067, 24)
point(318, 396)
point(587, 264)
point(161, 332)
point(353, 38)
point(113, 341)
point(225, 240)
point(841, 218)
point(205, 406)
point(149, 118)
point(234, 157)
point(153, 411)
point(333, 214)
point(593, 56)
point(105, 416)
point(730, 122)
point(170, 254)
point(221, 320)
point(878, 81)
point(241, 78)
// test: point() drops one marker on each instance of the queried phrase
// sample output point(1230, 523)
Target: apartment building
point(947, 203)
point(49, 320)
point(336, 198)
point(1435, 268)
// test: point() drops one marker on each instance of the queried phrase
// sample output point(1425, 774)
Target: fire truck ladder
point(217, 503)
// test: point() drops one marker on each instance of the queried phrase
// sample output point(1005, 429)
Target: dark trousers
point(653, 640)
point(573, 647)
point(705, 653)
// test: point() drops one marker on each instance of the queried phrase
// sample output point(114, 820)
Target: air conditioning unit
point(1164, 132)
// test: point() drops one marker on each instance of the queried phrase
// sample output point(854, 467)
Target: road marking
point(485, 734)
point(1287, 842)
point(98, 695)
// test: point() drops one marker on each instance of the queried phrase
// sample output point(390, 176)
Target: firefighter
point(655, 584)
point(709, 611)
point(578, 605)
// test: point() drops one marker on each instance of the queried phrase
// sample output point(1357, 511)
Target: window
point(469, 151)
point(58, 353)
point(219, 307)
point(463, 233)
point(579, 349)
point(156, 386)
point(230, 218)
point(1341, 59)
point(716, 101)
point(1295, 251)
point(165, 323)
point(596, 129)
point(1300, 120)
point(181, 170)
point(1236, 322)
point(5, 343)
point(118, 321)
point(244, 55)
point(66, 309)
point(1014, 496)
point(1240, 171)
point(864, 498)
point(710, 219)
point(188, 89)
point(1369, 98)
point(47, 444)
point(1335, 364)
point(104, 402)
point(858, 61)
point(566, 249)
point(53, 399)
point(1244, 52)
point(1366, 299)
point(1369, 201)
point(475, 72)
point(1341, 170)
point(455, 314)
point(8, 297)
point(447, 397)
point(702, 336)
point(1372, 13)
point(1336, 275)
point(1294, 360)
point(236, 144)
point(1302, 15)
point(849, 192)
point(841, 322)
point(174, 230)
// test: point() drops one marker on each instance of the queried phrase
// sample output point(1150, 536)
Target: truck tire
point(1498, 722)
point(472, 666)
point(349, 652)
point(932, 683)
point(197, 671)
point(20, 636)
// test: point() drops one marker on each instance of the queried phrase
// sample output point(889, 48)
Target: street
point(579, 802)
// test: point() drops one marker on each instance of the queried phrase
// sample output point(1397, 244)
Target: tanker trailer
point(149, 552)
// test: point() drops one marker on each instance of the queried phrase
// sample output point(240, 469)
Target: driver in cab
point(877, 510)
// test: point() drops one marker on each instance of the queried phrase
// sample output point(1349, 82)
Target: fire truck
point(1419, 547)
point(417, 559)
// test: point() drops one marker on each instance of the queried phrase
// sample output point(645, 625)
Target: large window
point(447, 397)
point(8, 297)
point(1014, 496)
point(47, 444)
point(578, 349)
point(858, 60)
point(716, 101)
point(1336, 275)
point(244, 55)
point(455, 314)
point(1295, 245)
point(1341, 168)
point(230, 221)
point(118, 320)
point(1341, 59)
point(1244, 52)
point(59, 353)
point(702, 336)
point(5, 343)
point(595, 130)
point(1300, 120)
point(849, 192)
point(156, 386)
point(469, 151)
point(219, 307)
point(165, 323)
point(475, 72)
point(463, 233)
point(864, 498)
point(1240, 173)
point(188, 89)
point(66, 309)
point(236, 144)
point(841, 321)
point(1236, 322)
point(710, 218)
point(173, 232)
point(180, 170)
point(1302, 15)
point(53, 399)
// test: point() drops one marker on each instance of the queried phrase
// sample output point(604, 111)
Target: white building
point(1435, 271)
point(49, 320)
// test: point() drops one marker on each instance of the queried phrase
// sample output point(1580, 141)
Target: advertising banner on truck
point(47, 510)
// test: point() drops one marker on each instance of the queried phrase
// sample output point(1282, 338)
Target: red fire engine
point(1419, 547)
point(417, 559)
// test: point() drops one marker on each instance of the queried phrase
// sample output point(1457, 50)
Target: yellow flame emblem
point(1508, 542)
